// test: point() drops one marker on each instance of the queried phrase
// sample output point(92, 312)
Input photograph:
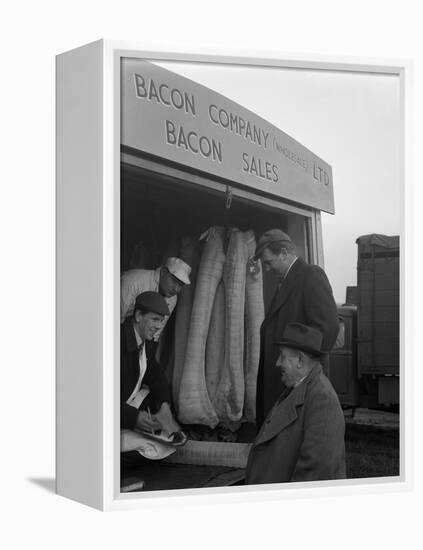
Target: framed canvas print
point(231, 248)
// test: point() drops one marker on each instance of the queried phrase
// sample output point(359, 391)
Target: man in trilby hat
point(302, 438)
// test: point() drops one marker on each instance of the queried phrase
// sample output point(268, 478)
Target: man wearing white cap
point(167, 279)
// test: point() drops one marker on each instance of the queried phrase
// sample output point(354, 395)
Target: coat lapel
point(284, 411)
point(286, 287)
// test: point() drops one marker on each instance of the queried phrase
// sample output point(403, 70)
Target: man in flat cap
point(302, 438)
point(144, 391)
point(167, 279)
point(304, 295)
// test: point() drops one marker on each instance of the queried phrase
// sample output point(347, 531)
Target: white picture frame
point(88, 232)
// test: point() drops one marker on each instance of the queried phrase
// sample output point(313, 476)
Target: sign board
point(179, 120)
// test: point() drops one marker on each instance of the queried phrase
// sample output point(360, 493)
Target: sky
point(350, 120)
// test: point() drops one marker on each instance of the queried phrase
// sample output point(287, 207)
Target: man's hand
point(167, 420)
point(147, 422)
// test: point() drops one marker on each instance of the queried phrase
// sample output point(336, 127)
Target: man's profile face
point(148, 324)
point(288, 362)
point(273, 262)
point(169, 285)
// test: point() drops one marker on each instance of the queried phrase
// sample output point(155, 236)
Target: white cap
point(179, 269)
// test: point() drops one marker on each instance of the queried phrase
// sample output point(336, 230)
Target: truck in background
point(364, 363)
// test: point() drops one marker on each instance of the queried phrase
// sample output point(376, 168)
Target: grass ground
point(371, 452)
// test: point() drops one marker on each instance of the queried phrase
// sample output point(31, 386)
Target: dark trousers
point(131, 461)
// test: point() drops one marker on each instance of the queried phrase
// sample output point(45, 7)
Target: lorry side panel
point(378, 305)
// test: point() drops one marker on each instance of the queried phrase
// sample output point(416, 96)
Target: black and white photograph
point(260, 251)
point(211, 275)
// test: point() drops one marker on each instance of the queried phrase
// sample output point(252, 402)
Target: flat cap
point(270, 237)
point(152, 302)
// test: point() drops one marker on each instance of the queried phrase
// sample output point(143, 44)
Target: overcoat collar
point(284, 411)
point(287, 285)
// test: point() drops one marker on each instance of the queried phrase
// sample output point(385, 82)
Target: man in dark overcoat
point(304, 295)
point(302, 438)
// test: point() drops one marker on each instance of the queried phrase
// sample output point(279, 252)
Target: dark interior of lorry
point(158, 210)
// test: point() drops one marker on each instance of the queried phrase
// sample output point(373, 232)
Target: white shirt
point(299, 381)
point(139, 393)
point(135, 281)
point(290, 265)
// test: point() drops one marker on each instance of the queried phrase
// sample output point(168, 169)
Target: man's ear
point(137, 316)
point(300, 359)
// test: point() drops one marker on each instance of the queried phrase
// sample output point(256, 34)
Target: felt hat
point(303, 338)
